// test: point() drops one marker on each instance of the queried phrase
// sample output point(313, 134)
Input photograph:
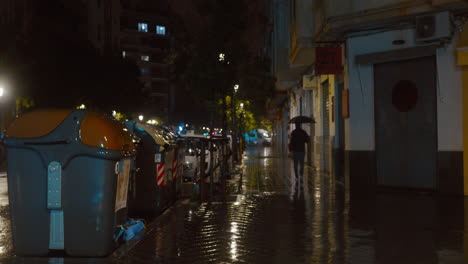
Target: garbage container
point(178, 165)
point(68, 176)
point(175, 157)
point(152, 186)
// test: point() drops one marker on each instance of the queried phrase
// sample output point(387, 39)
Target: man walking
point(297, 146)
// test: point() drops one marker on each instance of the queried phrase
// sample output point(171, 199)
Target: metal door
point(325, 126)
point(406, 127)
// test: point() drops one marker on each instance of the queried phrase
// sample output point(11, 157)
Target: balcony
point(292, 43)
point(334, 17)
point(144, 42)
point(302, 50)
point(302, 34)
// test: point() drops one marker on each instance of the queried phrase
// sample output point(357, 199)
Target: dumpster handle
point(58, 142)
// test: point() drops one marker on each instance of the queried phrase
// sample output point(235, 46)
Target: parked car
point(264, 137)
point(258, 136)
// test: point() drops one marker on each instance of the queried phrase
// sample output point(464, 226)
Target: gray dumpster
point(152, 188)
point(68, 177)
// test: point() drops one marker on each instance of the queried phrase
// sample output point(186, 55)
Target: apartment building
point(145, 39)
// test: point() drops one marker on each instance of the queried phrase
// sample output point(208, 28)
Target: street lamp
point(2, 91)
point(140, 117)
point(242, 105)
point(236, 87)
point(221, 56)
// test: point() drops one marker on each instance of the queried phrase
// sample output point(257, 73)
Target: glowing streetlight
point(242, 105)
point(82, 106)
point(140, 117)
point(221, 56)
point(236, 87)
point(114, 113)
point(2, 91)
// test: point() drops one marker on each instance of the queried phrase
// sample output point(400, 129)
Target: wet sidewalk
point(272, 221)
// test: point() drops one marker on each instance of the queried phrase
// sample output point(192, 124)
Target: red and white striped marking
point(160, 175)
point(174, 169)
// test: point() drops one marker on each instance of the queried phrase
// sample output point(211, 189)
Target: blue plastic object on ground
point(130, 229)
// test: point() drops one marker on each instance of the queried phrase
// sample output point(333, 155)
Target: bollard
point(202, 172)
point(224, 171)
point(211, 169)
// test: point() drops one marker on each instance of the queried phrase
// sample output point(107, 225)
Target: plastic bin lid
point(99, 131)
point(37, 123)
point(156, 133)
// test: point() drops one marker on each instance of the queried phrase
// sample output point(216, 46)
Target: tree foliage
point(239, 114)
point(222, 28)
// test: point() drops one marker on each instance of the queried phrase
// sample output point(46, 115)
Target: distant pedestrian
point(297, 148)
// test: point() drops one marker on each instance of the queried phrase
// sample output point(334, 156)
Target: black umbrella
point(301, 119)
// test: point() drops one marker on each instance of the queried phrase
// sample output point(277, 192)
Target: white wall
point(359, 128)
point(449, 103)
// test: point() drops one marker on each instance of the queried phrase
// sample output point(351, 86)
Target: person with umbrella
point(297, 146)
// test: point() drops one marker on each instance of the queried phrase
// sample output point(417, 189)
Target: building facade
point(103, 25)
point(145, 39)
point(393, 115)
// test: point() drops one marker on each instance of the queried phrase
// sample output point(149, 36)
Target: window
point(144, 57)
point(144, 71)
point(142, 27)
point(161, 30)
point(124, 54)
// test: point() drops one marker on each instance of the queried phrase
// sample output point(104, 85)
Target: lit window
point(144, 71)
point(124, 54)
point(142, 27)
point(144, 57)
point(161, 30)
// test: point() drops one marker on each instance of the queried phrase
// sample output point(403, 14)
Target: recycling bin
point(175, 156)
point(68, 177)
point(152, 186)
point(178, 165)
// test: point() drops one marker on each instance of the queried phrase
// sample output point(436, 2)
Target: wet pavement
point(273, 221)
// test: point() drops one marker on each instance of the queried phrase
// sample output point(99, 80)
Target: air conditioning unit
point(433, 27)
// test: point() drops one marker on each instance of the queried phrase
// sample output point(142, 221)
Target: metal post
point(234, 130)
point(202, 172)
point(211, 169)
point(223, 168)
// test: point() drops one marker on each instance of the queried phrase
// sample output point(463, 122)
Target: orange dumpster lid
point(37, 123)
point(100, 131)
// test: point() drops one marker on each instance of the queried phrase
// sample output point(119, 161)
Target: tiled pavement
point(273, 222)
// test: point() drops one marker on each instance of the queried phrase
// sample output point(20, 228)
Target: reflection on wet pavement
point(5, 233)
point(273, 221)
